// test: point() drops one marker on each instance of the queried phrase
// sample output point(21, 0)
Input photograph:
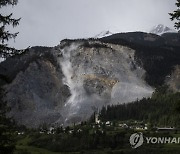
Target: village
point(100, 126)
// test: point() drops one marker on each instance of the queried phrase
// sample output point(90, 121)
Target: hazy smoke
point(77, 92)
point(128, 92)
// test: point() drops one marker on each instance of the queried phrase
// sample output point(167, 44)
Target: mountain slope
point(67, 83)
point(34, 88)
point(156, 54)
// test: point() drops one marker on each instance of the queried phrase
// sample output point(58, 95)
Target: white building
point(97, 121)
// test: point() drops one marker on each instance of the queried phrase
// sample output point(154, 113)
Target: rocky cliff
point(67, 83)
point(98, 74)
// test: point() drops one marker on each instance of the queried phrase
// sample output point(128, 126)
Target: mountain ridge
point(63, 84)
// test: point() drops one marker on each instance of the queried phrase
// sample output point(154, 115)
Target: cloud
point(47, 22)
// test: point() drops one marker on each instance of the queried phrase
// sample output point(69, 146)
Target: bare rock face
point(99, 74)
point(36, 93)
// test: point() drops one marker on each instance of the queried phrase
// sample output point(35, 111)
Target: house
point(71, 131)
point(79, 130)
point(108, 123)
point(20, 133)
point(41, 132)
point(146, 127)
point(51, 130)
point(123, 125)
point(165, 129)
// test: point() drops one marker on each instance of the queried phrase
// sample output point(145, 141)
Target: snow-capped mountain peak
point(161, 29)
point(104, 34)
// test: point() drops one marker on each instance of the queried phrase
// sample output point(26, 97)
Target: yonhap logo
point(136, 140)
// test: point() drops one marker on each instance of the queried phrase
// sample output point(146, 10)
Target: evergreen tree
point(177, 107)
point(7, 142)
point(176, 15)
point(5, 35)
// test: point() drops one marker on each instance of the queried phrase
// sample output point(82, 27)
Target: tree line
point(161, 109)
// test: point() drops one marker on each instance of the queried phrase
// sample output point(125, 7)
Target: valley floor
point(92, 140)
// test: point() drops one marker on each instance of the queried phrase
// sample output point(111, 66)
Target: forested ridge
point(162, 109)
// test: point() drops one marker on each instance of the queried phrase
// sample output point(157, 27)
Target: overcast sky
point(46, 22)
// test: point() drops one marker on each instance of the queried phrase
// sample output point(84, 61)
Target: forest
point(161, 109)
